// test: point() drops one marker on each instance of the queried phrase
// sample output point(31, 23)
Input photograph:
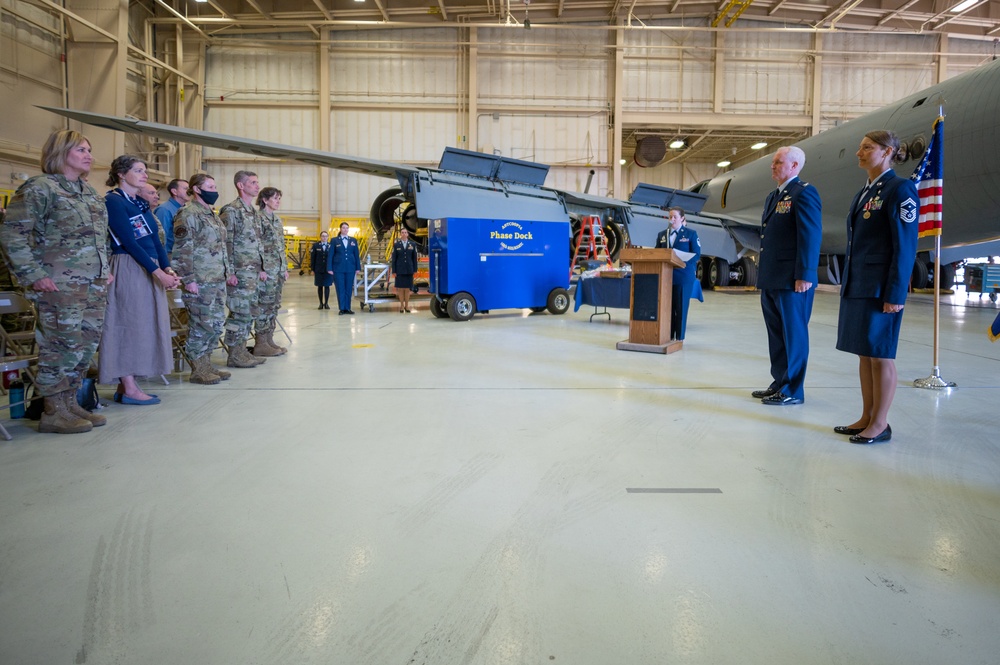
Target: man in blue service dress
point(683, 239)
point(790, 232)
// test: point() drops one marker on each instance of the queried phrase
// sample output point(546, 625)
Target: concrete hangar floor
point(402, 489)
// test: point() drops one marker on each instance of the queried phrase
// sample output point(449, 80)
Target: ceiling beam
point(260, 10)
point(381, 8)
point(326, 14)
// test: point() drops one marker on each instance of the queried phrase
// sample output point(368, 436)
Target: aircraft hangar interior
point(541, 427)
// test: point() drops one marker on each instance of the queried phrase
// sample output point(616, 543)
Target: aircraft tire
point(461, 306)
point(921, 276)
point(439, 308)
point(747, 270)
point(558, 301)
point(718, 272)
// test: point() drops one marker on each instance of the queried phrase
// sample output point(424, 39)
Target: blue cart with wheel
point(477, 265)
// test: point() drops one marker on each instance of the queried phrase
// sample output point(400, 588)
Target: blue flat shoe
point(125, 399)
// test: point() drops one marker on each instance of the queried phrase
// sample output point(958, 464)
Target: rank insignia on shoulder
point(180, 231)
point(908, 210)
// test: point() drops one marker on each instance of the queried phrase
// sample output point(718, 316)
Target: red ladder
point(591, 243)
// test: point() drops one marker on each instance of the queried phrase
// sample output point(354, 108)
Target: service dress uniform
point(200, 257)
point(790, 233)
point(344, 260)
point(246, 255)
point(685, 284)
point(403, 263)
point(881, 249)
point(58, 228)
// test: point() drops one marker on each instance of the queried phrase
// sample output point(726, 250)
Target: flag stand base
point(934, 382)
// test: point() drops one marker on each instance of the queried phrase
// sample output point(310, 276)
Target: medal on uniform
point(867, 214)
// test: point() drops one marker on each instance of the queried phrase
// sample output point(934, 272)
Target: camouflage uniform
point(199, 256)
point(272, 242)
point(245, 253)
point(59, 229)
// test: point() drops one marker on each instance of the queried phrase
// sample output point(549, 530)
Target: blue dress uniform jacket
point(404, 261)
point(686, 286)
point(344, 262)
point(790, 234)
point(318, 259)
point(881, 248)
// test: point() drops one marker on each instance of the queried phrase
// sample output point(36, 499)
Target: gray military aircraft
point(725, 210)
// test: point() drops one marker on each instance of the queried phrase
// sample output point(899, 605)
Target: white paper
point(683, 256)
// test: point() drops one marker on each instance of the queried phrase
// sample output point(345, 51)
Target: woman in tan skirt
point(136, 337)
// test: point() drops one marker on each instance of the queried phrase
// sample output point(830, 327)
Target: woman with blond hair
point(54, 237)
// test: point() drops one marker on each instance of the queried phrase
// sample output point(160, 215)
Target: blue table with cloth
point(603, 292)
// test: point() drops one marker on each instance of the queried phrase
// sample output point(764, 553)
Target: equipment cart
point(983, 278)
point(373, 293)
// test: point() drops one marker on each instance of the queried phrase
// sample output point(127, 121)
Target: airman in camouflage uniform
point(200, 260)
point(272, 241)
point(55, 240)
point(246, 256)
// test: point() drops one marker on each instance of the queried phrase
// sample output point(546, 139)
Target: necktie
point(673, 239)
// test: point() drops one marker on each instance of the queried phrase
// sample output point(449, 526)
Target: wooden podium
point(652, 288)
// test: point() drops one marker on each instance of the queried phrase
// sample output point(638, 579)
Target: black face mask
point(209, 197)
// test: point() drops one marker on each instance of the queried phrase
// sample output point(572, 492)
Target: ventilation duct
point(649, 151)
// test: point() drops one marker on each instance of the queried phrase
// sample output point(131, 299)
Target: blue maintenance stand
point(477, 265)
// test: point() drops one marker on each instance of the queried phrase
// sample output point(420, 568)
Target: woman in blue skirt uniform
point(881, 248)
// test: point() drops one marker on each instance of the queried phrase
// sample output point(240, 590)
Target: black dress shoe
point(320, 306)
point(780, 399)
point(341, 312)
point(850, 431)
point(348, 311)
point(767, 392)
point(878, 438)
point(326, 306)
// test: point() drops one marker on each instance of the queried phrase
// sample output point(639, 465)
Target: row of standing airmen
point(97, 271)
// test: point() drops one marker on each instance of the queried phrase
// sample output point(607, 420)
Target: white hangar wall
point(548, 95)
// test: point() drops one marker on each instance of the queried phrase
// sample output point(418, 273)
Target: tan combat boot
point(239, 357)
point(201, 372)
point(262, 347)
point(74, 407)
point(57, 417)
point(270, 340)
point(223, 374)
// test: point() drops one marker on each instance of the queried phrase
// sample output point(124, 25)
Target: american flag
point(929, 177)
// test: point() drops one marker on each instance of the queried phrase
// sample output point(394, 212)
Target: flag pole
point(934, 381)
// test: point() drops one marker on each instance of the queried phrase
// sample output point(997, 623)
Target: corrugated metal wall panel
point(552, 139)
point(261, 74)
point(395, 67)
point(542, 69)
point(668, 71)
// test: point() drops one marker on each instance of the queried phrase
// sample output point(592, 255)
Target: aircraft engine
point(391, 208)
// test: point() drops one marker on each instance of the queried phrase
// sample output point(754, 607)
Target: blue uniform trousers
point(786, 316)
point(344, 283)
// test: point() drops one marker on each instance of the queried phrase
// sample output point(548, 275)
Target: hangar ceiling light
point(759, 145)
point(962, 6)
point(677, 144)
point(724, 163)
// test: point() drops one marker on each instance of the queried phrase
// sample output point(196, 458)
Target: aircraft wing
point(238, 144)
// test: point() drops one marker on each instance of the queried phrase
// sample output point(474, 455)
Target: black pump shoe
point(878, 438)
point(849, 431)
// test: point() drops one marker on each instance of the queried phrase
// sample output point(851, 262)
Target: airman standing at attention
point(55, 240)
point(201, 261)
point(247, 258)
point(272, 243)
point(790, 233)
